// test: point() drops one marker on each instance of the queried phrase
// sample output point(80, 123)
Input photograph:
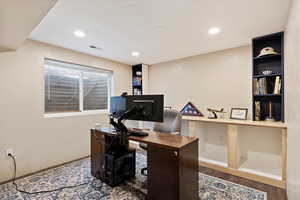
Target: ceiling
point(161, 30)
point(18, 19)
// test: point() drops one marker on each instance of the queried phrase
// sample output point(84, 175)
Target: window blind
point(75, 88)
point(95, 91)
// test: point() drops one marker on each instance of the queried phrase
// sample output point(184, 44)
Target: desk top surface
point(157, 138)
point(237, 122)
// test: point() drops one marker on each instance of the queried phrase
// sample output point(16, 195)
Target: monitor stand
point(117, 122)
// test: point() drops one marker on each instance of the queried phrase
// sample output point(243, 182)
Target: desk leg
point(233, 152)
point(173, 174)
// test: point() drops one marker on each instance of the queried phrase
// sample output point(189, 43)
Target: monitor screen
point(117, 105)
point(150, 107)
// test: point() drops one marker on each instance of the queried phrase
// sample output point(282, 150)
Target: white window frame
point(82, 112)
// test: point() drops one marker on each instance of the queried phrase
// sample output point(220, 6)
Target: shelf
point(270, 75)
point(268, 166)
point(237, 122)
point(267, 95)
point(277, 56)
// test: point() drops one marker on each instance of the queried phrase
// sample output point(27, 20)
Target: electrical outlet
point(9, 151)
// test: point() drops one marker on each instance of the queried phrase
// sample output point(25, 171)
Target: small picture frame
point(239, 113)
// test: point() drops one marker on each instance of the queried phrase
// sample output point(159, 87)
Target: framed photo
point(239, 113)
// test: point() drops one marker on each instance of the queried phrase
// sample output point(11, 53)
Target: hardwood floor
point(274, 193)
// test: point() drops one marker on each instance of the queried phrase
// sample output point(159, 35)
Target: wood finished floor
point(274, 193)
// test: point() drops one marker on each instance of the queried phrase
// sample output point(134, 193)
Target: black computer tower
point(119, 166)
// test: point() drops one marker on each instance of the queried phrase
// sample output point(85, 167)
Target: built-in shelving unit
point(267, 98)
point(255, 150)
point(137, 85)
point(139, 79)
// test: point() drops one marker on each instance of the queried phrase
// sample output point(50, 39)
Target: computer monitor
point(117, 105)
point(149, 107)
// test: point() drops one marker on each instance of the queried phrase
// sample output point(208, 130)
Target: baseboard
point(132, 144)
point(45, 169)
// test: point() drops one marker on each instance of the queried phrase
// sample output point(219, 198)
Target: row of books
point(137, 81)
point(260, 86)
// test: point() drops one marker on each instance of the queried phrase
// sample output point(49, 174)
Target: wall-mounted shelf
point(264, 86)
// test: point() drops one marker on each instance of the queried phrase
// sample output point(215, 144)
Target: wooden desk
point(172, 162)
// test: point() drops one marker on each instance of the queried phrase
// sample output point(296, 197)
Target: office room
point(157, 100)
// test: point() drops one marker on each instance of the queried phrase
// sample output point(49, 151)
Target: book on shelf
point(137, 81)
point(277, 85)
point(255, 86)
point(260, 86)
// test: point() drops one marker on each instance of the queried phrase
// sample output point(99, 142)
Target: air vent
point(95, 47)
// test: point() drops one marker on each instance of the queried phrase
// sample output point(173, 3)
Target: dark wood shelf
point(268, 57)
point(270, 75)
point(267, 95)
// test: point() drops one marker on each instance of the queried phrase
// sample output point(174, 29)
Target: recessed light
point(79, 34)
point(135, 53)
point(214, 30)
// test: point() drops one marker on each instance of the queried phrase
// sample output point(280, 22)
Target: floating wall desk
point(233, 162)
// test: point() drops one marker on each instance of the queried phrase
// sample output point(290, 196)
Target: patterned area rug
point(79, 172)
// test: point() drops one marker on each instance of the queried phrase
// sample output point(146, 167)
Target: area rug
point(210, 188)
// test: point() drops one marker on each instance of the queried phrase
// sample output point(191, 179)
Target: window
point(73, 88)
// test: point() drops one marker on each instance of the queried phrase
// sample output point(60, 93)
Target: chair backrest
point(171, 124)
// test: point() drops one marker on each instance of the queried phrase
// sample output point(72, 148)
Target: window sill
point(70, 114)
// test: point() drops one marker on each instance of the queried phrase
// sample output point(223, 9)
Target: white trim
point(269, 175)
point(215, 162)
point(81, 92)
point(70, 114)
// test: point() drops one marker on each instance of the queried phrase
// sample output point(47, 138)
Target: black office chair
point(171, 125)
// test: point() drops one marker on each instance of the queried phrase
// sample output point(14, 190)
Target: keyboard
point(137, 133)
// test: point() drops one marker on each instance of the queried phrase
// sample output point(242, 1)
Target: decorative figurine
point(270, 118)
point(213, 113)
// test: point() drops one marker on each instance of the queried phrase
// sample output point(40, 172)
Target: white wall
point(217, 80)
point(40, 142)
point(292, 103)
point(220, 79)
